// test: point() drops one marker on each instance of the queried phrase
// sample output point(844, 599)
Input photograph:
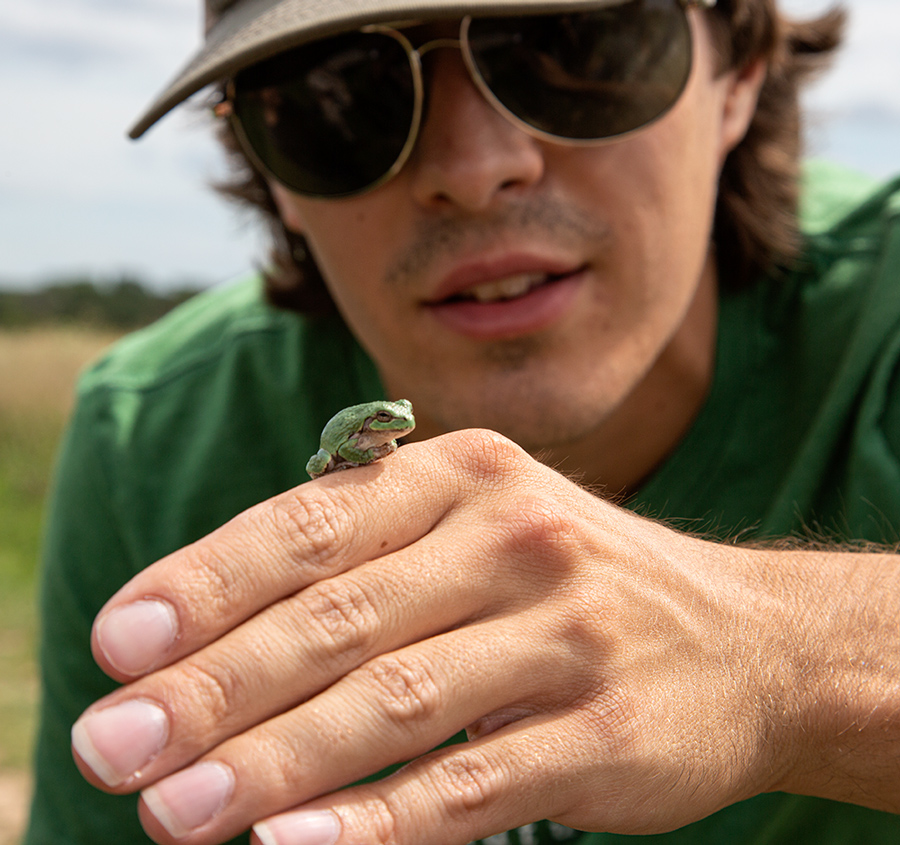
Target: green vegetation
point(121, 304)
point(39, 371)
point(46, 337)
point(24, 465)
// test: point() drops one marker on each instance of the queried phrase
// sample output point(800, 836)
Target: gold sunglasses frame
point(225, 108)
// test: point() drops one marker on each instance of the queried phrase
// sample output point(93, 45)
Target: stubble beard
point(522, 395)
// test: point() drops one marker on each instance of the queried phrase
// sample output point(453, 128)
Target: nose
point(468, 155)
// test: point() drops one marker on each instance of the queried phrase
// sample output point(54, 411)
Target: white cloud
point(854, 109)
point(866, 72)
point(145, 32)
point(75, 194)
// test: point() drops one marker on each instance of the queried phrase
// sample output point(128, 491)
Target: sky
point(77, 197)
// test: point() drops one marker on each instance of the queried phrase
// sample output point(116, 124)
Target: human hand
point(609, 671)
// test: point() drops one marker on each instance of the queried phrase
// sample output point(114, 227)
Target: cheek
point(657, 189)
point(349, 269)
point(683, 152)
point(325, 223)
point(346, 262)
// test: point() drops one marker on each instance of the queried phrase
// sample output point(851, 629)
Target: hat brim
point(252, 30)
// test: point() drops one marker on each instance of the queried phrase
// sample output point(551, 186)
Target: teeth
point(508, 288)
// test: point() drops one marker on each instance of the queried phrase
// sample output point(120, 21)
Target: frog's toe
point(317, 465)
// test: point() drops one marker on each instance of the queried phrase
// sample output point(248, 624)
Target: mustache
point(546, 220)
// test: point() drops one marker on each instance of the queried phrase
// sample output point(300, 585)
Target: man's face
point(526, 286)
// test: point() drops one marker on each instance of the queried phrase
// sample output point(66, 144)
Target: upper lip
point(479, 271)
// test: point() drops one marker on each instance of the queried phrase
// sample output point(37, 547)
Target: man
point(551, 228)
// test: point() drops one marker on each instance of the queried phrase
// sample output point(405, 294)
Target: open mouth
point(513, 305)
point(506, 289)
point(511, 287)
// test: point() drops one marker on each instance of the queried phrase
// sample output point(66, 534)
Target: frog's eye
point(383, 416)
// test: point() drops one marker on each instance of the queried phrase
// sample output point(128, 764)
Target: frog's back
point(341, 426)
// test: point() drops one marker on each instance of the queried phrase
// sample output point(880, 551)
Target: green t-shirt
point(218, 406)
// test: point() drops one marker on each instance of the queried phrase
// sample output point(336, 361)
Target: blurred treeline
point(116, 304)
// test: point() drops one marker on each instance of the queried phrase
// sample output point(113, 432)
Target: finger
point(390, 710)
point(454, 796)
point(270, 551)
point(287, 653)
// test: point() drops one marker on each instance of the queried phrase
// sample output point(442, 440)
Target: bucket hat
point(242, 32)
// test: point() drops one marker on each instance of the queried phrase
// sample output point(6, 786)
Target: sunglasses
point(340, 116)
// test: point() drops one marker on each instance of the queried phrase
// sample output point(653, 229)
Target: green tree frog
point(361, 434)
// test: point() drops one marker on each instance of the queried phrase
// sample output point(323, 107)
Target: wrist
point(833, 675)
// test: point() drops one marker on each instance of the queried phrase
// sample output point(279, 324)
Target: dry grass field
point(38, 368)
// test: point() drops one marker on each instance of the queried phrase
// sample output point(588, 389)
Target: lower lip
point(537, 310)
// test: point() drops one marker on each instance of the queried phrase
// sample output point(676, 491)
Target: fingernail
point(306, 827)
point(185, 801)
point(135, 637)
point(119, 741)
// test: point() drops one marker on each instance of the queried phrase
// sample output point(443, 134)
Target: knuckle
point(376, 817)
point(311, 526)
point(494, 448)
point(209, 576)
point(548, 533)
point(212, 687)
point(545, 522)
point(404, 688)
point(486, 456)
point(344, 615)
point(287, 767)
point(466, 782)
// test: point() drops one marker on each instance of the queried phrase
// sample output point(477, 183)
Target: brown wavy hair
point(756, 228)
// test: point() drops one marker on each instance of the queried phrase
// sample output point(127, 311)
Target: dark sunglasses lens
point(586, 75)
point(329, 118)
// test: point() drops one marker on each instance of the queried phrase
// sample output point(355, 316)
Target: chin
point(550, 435)
point(534, 418)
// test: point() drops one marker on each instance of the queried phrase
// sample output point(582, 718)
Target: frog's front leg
point(356, 452)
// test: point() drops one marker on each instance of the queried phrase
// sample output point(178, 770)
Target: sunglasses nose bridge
point(438, 44)
point(461, 43)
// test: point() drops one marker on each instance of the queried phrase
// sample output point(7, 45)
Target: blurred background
point(99, 235)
